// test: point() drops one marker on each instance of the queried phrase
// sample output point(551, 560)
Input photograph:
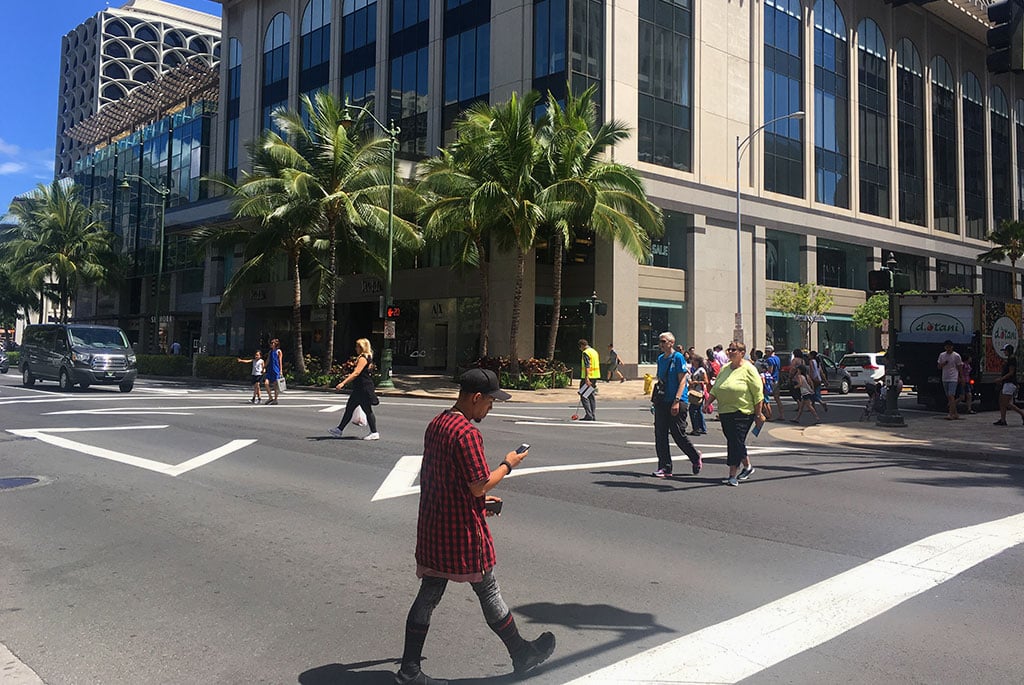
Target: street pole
point(593, 318)
point(392, 133)
point(892, 417)
point(163, 191)
point(737, 333)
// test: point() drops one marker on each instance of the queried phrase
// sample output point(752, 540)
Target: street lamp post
point(740, 148)
point(163, 191)
point(392, 133)
point(892, 417)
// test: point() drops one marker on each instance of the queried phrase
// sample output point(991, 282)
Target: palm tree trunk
point(300, 360)
point(517, 300)
point(485, 303)
point(556, 295)
point(332, 298)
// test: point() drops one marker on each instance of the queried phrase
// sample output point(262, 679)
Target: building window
point(655, 318)
point(550, 34)
point(782, 256)
point(783, 88)
point(1018, 120)
point(359, 51)
point(944, 152)
point(910, 132)
point(842, 265)
point(315, 50)
point(873, 87)
point(586, 47)
point(995, 283)
point(669, 250)
point(973, 106)
point(950, 275)
point(234, 107)
point(915, 267)
point(467, 59)
point(575, 27)
point(276, 46)
point(831, 106)
point(1002, 173)
point(665, 133)
point(407, 105)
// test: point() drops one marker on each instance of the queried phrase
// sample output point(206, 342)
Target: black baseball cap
point(483, 381)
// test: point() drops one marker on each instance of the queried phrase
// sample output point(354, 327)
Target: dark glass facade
point(1018, 122)
point(873, 88)
point(665, 84)
point(973, 108)
point(950, 275)
point(467, 57)
point(944, 152)
point(276, 49)
point(831, 106)
point(783, 95)
point(1002, 151)
point(234, 92)
point(996, 283)
point(407, 53)
point(358, 51)
point(568, 39)
point(314, 49)
point(910, 132)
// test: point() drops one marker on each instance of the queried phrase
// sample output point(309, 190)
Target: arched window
point(276, 46)
point(115, 27)
point(944, 147)
point(873, 88)
point(146, 34)
point(113, 92)
point(173, 39)
point(234, 92)
point(783, 94)
point(144, 53)
point(973, 107)
point(315, 48)
point(1002, 172)
point(115, 71)
point(199, 45)
point(910, 132)
point(172, 59)
point(143, 75)
point(831, 106)
point(116, 49)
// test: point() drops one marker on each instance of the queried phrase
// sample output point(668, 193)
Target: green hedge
point(14, 359)
point(164, 365)
point(223, 368)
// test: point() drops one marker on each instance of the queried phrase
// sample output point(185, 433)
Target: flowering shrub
point(534, 373)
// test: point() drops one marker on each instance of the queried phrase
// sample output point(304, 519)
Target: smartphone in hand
point(757, 429)
point(493, 506)
point(522, 448)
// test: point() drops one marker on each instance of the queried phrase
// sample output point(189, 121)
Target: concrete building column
point(616, 282)
point(933, 279)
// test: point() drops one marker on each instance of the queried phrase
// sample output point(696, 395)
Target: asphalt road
point(283, 555)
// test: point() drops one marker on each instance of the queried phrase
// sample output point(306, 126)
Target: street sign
point(389, 329)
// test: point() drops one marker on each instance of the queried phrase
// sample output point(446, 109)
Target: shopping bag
point(359, 417)
point(281, 384)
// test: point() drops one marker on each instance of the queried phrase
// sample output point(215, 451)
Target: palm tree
point(499, 146)
point(15, 297)
point(57, 240)
point(586, 193)
point(1009, 241)
point(318, 187)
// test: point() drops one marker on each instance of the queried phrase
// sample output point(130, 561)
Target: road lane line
point(810, 617)
point(400, 481)
point(14, 670)
point(206, 458)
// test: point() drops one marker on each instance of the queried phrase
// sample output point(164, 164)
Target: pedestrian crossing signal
point(394, 312)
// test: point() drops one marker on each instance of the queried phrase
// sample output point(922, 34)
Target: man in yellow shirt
point(590, 372)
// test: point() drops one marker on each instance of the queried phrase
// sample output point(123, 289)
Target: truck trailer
point(976, 324)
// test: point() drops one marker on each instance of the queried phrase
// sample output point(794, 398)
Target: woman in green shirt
point(740, 392)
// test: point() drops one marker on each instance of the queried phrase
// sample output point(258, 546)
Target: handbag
point(658, 394)
point(282, 385)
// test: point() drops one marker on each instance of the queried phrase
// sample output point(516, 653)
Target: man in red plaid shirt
point(453, 541)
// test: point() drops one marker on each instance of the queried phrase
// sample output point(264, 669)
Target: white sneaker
point(336, 432)
point(731, 481)
point(372, 436)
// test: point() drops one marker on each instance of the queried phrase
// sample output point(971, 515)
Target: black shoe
point(416, 677)
point(533, 654)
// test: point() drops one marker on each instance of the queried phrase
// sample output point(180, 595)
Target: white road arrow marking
point(46, 435)
point(401, 481)
point(814, 615)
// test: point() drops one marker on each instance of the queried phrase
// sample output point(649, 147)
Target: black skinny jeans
point(432, 589)
point(666, 424)
point(360, 399)
point(735, 425)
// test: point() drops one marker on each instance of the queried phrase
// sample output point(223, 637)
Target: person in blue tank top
point(274, 366)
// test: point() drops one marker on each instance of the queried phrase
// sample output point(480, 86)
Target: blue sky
point(30, 36)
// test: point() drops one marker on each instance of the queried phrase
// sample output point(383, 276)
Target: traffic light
point(880, 281)
point(602, 309)
point(394, 312)
point(584, 308)
point(152, 286)
point(1006, 38)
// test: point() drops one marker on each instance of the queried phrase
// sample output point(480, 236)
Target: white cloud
point(8, 168)
point(8, 149)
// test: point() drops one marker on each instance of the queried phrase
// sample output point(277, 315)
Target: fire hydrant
point(648, 383)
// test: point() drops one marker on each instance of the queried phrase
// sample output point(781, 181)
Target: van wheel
point(65, 381)
point(27, 379)
point(126, 387)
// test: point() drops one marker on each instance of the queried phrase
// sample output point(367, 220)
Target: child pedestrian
point(802, 381)
point(257, 375)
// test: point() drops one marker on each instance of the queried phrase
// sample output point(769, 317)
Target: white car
point(863, 367)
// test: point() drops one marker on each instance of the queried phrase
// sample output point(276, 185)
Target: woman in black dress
point(363, 394)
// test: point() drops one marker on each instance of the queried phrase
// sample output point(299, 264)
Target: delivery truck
point(976, 324)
